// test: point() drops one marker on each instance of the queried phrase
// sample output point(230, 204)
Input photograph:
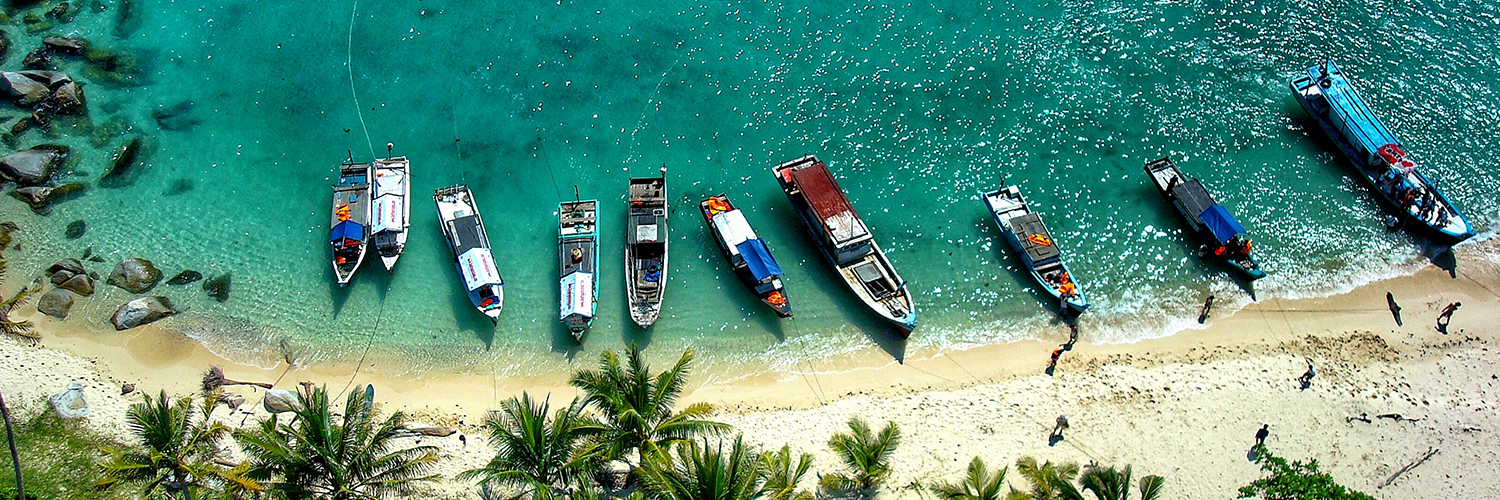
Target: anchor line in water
point(547, 159)
point(349, 64)
point(369, 340)
point(807, 359)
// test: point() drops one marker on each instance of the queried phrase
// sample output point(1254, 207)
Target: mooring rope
point(349, 63)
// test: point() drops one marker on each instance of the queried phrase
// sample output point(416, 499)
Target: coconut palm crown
point(1109, 483)
point(782, 475)
point(1048, 481)
point(320, 455)
point(704, 471)
point(178, 453)
point(536, 453)
point(866, 456)
point(637, 407)
point(979, 483)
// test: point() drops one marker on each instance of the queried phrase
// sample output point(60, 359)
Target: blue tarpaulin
point(347, 229)
point(759, 259)
point(1221, 223)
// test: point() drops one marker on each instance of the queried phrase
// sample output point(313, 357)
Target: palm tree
point(700, 471)
point(1111, 484)
point(22, 328)
point(321, 455)
point(866, 456)
point(979, 484)
point(782, 476)
point(638, 407)
point(1048, 481)
point(536, 453)
point(180, 452)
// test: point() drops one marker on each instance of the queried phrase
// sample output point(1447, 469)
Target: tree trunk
point(15, 459)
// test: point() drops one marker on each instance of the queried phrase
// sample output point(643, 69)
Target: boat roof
point(347, 229)
point(758, 258)
point(648, 189)
point(468, 233)
point(1357, 119)
point(1030, 225)
point(1193, 196)
point(1221, 223)
point(733, 228)
point(828, 202)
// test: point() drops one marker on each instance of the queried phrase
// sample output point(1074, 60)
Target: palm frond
point(1150, 487)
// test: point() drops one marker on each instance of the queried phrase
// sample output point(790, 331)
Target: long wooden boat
point(349, 228)
point(746, 252)
point(1039, 252)
point(646, 247)
point(391, 193)
point(578, 264)
point(471, 249)
point(1378, 155)
point(845, 241)
point(1216, 229)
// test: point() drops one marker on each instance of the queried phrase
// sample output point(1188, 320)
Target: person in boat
point(1066, 286)
point(577, 254)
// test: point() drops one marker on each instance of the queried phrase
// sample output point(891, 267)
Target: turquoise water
point(915, 107)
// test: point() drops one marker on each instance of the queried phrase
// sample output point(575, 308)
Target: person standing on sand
point(1306, 378)
point(1208, 305)
point(1056, 353)
point(1262, 434)
point(1390, 301)
point(1057, 430)
point(1446, 316)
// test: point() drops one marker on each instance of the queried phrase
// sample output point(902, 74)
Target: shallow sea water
point(915, 106)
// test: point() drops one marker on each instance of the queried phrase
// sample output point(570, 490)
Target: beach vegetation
point(537, 451)
point(1109, 483)
point(638, 409)
point(700, 470)
point(978, 483)
point(783, 472)
point(1294, 480)
point(22, 328)
point(1048, 481)
point(866, 457)
point(319, 454)
point(52, 452)
point(178, 452)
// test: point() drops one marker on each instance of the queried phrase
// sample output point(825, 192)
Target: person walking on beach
point(1056, 353)
point(1072, 335)
point(1446, 316)
point(1390, 301)
point(1208, 305)
point(1306, 378)
point(1057, 430)
point(1262, 434)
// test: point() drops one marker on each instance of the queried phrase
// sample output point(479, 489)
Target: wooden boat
point(1378, 155)
point(646, 247)
point(578, 264)
point(1039, 252)
point(1221, 236)
point(349, 229)
point(471, 249)
point(746, 252)
point(845, 241)
point(391, 193)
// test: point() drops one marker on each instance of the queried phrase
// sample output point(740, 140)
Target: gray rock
point(62, 276)
point(23, 88)
point(55, 303)
point(80, 284)
point(71, 265)
point(185, 277)
point(142, 311)
point(33, 166)
point(66, 45)
point(135, 274)
point(76, 229)
point(70, 403)
point(218, 287)
point(38, 59)
point(4, 237)
point(40, 197)
point(279, 401)
point(69, 98)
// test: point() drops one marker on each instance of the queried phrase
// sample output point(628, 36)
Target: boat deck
point(468, 234)
point(584, 264)
point(353, 189)
point(1029, 225)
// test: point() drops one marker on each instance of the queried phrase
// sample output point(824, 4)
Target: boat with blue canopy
point(349, 228)
point(1220, 234)
point(1024, 230)
point(746, 252)
point(578, 264)
point(464, 230)
point(1378, 155)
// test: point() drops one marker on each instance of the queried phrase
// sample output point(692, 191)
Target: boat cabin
point(843, 230)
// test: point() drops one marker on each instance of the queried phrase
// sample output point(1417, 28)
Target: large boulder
point(69, 98)
point(144, 310)
point(70, 403)
point(75, 46)
point(33, 166)
point(80, 284)
point(55, 303)
point(279, 401)
point(135, 274)
point(25, 89)
point(70, 265)
point(40, 197)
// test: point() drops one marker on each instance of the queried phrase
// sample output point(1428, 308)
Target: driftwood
point(443, 431)
point(1410, 466)
point(214, 379)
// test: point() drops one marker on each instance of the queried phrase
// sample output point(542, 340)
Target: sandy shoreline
point(1183, 406)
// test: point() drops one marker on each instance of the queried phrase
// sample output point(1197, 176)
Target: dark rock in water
point(70, 265)
point(127, 20)
point(218, 287)
point(176, 118)
point(144, 310)
point(62, 12)
point(24, 87)
point(88, 251)
point(69, 99)
point(35, 24)
point(185, 277)
point(38, 59)
point(119, 174)
point(55, 303)
point(107, 131)
point(21, 126)
point(96, 258)
point(80, 284)
point(62, 276)
point(66, 45)
point(33, 166)
point(135, 274)
point(40, 197)
point(4, 45)
point(10, 225)
point(76, 229)
point(179, 186)
point(113, 67)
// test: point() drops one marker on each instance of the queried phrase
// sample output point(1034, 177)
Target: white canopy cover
point(388, 213)
point(478, 268)
point(577, 295)
point(734, 228)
